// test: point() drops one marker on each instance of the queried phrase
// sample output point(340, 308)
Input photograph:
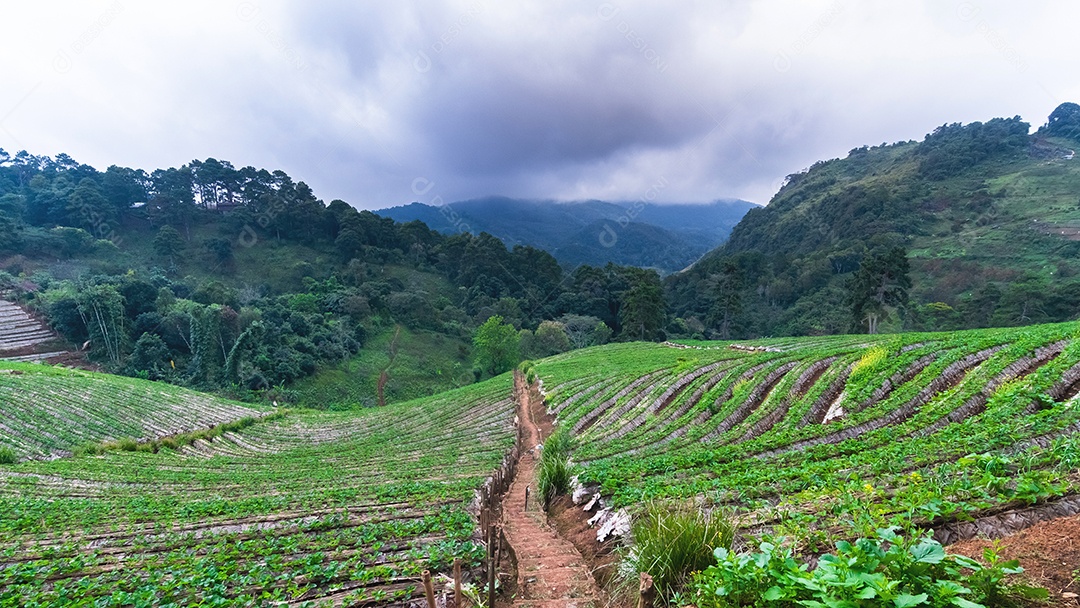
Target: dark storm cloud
point(537, 99)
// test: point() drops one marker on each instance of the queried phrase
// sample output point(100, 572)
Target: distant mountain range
point(665, 237)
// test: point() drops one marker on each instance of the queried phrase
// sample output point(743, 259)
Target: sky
point(381, 103)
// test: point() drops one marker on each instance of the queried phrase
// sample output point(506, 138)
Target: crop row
point(313, 508)
point(46, 412)
point(807, 435)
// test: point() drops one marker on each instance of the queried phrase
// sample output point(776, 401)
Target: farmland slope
point(823, 436)
point(46, 411)
point(334, 507)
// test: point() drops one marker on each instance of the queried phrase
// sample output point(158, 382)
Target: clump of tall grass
point(671, 542)
point(7, 456)
point(555, 470)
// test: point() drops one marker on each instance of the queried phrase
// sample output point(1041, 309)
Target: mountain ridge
point(665, 237)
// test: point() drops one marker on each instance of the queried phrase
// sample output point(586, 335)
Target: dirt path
point(551, 572)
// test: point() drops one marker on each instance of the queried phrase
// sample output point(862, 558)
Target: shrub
point(673, 541)
point(555, 470)
point(887, 570)
point(127, 444)
point(7, 456)
point(89, 449)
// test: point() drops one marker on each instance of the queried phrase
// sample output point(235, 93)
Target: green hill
point(988, 215)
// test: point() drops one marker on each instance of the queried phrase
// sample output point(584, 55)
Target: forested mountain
point(665, 237)
point(983, 221)
point(241, 279)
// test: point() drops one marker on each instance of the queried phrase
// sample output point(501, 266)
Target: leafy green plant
point(886, 570)
point(671, 542)
point(7, 456)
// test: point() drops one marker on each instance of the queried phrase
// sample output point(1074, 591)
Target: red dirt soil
point(1049, 552)
point(551, 572)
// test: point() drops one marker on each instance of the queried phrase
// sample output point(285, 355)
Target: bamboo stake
point(429, 590)
point(457, 582)
point(491, 567)
point(646, 591)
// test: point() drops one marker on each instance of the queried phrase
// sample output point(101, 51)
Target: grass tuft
point(555, 470)
point(671, 542)
point(7, 456)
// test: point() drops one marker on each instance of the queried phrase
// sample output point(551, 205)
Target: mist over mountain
point(665, 237)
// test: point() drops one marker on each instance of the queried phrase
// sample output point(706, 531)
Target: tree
point(168, 243)
point(549, 339)
point(881, 282)
point(101, 308)
point(220, 251)
point(643, 310)
point(497, 346)
point(150, 356)
point(1064, 121)
point(727, 298)
point(583, 330)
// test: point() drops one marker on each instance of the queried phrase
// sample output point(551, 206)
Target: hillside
point(818, 440)
point(46, 412)
point(335, 507)
point(986, 213)
point(665, 237)
point(825, 438)
point(243, 281)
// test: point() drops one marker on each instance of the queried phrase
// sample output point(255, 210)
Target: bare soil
point(1049, 552)
point(550, 571)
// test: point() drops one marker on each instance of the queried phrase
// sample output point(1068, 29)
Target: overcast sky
point(382, 103)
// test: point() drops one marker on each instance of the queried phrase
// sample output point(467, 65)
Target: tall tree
point(497, 346)
point(168, 243)
point(882, 282)
point(727, 298)
point(643, 309)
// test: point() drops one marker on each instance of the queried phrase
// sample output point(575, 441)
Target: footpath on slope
point(551, 571)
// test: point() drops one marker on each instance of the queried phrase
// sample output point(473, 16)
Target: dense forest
point(243, 280)
point(974, 226)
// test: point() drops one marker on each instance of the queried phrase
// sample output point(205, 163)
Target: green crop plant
point(885, 569)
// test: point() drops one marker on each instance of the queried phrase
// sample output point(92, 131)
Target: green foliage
point(1064, 121)
point(673, 541)
point(882, 282)
point(643, 311)
point(985, 212)
point(953, 149)
point(884, 570)
point(550, 338)
point(168, 243)
point(497, 346)
point(8, 456)
point(555, 469)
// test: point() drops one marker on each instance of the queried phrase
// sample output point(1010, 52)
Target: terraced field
point(820, 437)
point(24, 338)
point(46, 412)
point(814, 439)
point(310, 509)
